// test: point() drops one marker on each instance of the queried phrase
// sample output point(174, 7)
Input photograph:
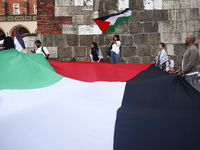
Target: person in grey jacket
point(190, 61)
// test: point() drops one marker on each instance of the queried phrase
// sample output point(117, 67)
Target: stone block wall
point(29, 41)
point(68, 25)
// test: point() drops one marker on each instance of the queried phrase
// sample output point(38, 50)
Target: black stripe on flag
point(108, 16)
point(18, 37)
point(159, 112)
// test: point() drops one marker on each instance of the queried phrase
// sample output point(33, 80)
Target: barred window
point(16, 8)
point(35, 8)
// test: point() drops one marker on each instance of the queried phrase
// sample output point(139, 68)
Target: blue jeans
point(114, 57)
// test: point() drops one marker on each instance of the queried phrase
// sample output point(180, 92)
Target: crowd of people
point(8, 43)
point(190, 61)
point(188, 70)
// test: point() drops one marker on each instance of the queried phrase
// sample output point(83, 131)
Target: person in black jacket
point(95, 53)
point(8, 43)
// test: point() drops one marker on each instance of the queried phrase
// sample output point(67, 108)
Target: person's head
point(169, 57)
point(190, 39)
point(156, 57)
point(161, 46)
point(116, 38)
point(38, 43)
point(8, 43)
point(94, 46)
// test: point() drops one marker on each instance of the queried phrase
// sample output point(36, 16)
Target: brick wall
point(68, 25)
point(2, 10)
point(9, 7)
point(47, 22)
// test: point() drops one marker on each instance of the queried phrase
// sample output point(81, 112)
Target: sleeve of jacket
point(100, 55)
point(91, 53)
point(192, 58)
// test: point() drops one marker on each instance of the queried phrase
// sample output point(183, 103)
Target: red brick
point(9, 8)
point(66, 22)
point(53, 25)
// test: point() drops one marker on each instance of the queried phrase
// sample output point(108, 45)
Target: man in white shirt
point(115, 50)
point(41, 49)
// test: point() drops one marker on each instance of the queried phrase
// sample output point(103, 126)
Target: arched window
point(22, 30)
point(2, 34)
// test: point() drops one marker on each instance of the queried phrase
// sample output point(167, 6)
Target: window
point(16, 8)
point(35, 8)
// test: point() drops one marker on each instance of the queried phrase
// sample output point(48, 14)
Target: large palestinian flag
point(94, 106)
point(109, 23)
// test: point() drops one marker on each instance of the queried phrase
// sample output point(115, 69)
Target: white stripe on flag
point(69, 115)
point(17, 45)
point(113, 19)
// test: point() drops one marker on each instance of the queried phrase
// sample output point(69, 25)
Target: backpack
point(44, 52)
point(109, 49)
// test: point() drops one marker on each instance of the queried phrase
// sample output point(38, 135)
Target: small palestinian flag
point(19, 43)
point(108, 23)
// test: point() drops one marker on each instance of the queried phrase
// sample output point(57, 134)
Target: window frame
point(15, 12)
point(35, 8)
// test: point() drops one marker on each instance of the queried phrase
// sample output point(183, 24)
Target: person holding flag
point(115, 44)
point(108, 24)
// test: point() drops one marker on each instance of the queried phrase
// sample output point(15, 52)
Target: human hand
point(171, 70)
point(178, 73)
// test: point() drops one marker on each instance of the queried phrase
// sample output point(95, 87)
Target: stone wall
point(68, 25)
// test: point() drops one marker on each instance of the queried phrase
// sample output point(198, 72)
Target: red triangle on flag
point(103, 25)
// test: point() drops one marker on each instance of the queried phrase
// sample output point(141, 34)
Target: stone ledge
point(10, 18)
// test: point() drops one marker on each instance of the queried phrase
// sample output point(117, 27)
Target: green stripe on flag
point(111, 28)
point(25, 71)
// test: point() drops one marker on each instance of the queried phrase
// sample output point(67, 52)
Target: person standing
point(41, 49)
point(190, 61)
point(95, 53)
point(162, 57)
point(116, 43)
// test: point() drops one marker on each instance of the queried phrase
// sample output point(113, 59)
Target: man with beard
point(190, 61)
point(41, 49)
